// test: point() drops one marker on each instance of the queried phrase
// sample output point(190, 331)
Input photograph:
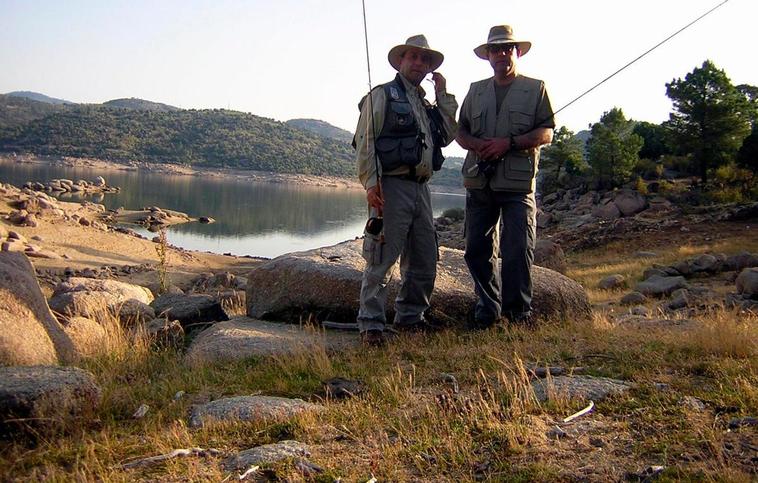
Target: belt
point(408, 177)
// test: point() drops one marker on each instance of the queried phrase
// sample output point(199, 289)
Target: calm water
point(260, 219)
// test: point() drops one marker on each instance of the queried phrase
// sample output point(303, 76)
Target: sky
point(287, 59)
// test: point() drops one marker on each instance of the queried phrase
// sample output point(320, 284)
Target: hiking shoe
point(373, 338)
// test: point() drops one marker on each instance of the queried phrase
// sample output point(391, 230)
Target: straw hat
point(502, 34)
point(419, 42)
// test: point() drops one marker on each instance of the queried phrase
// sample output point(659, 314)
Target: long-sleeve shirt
point(364, 137)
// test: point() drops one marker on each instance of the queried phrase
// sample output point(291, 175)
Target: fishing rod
point(628, 64)
point(375, 224)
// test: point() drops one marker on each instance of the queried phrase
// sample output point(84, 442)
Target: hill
point(36, 96)
point(17, 110)
point(218, 138)
point(322, 128)
point(140, 105)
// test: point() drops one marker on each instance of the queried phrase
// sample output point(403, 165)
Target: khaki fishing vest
point(517, 171)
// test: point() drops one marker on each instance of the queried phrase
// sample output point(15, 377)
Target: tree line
point(711, 135)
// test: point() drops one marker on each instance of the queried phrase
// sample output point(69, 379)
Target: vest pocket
point(521, 122)
point(519, 166)
point(397, 152)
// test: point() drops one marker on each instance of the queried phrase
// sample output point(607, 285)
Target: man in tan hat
point(503, 122)
point(395, 151)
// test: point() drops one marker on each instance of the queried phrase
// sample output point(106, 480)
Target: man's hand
point(493, 148)
point(375, 199)
point(439, 82)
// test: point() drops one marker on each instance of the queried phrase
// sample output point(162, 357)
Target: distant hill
point(140, 105)
point(218, 138)
point(583, 135)
point(36, 96)
point(322, 128)
point(16, 111)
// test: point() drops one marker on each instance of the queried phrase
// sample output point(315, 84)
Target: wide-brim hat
point(416, 41)
point(502, 34)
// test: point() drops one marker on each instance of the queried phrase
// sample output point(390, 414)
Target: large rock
point(88, 336)
point(242, 338)
point(747, 282)
point(89, 297)
point(659, 286)
point(189, 308)
point(629, 202)
point(29, 333)
point(44, 396)
point(550, 255)
point(267, 454)
point(253, 409)
point(326, 282)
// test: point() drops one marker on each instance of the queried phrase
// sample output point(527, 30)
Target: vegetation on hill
point(36, 96)
point(218, 138)
point(322, 128)
point(139, 104)
point(16, 111)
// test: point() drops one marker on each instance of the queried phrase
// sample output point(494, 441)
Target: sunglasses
point(497, 48)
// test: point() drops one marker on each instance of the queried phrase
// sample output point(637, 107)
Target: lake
point(252, 218)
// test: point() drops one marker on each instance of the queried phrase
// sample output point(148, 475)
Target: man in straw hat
point(395, 150)
point(503, 122)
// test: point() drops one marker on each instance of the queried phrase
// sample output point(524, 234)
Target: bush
point(648, 169)
point(641, 186)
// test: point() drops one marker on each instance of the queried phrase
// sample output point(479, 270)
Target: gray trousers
point(509, 291)
point(409, 235)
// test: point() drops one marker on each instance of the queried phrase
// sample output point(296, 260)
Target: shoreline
point(225, 173)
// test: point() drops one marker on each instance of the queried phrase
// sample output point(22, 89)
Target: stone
point(266, 455)
point(545, 219)
point(705, 263)
point(579, 387)
point(132, 312)
point(629, 202)
point(740, 261)
point(326, 281)
point(14, 235)
point(692, 403)
point(45, 396)
point(243, 338)
point(88, 337)
point(29, 333)
point(612, 282)
point(680, 299)
point(640, 310)
point(644, 254)
point(165, 333)
point(649, 272)
point(341, 388)
point(608, 211)
point(189, 308)
point(659, 286)
point(90, 297)
point(46, 254)
point(253, 409)
point(549, 254)
point(747, 282)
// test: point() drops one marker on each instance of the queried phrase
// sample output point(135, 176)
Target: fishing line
point(640, 56)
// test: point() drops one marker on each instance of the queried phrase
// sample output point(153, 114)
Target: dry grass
point(410, 425)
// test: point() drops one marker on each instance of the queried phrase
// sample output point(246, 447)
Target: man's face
point(415, 64)
point(503, 57)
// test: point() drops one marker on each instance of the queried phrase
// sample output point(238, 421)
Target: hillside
point(140, 105)
point(218, 138)
point(36, 96)
point(16, 111)
point(322, 128)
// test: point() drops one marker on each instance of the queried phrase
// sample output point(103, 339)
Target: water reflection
point(252, 218)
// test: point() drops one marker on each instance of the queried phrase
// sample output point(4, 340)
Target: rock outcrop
point(254, 409)
point(44, 396)
point(88, 297)
point(326, 282)
point(29, 333)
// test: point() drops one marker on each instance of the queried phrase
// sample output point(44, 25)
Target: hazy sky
point(285, 59)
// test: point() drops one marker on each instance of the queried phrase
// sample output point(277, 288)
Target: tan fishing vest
point(517, 172)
